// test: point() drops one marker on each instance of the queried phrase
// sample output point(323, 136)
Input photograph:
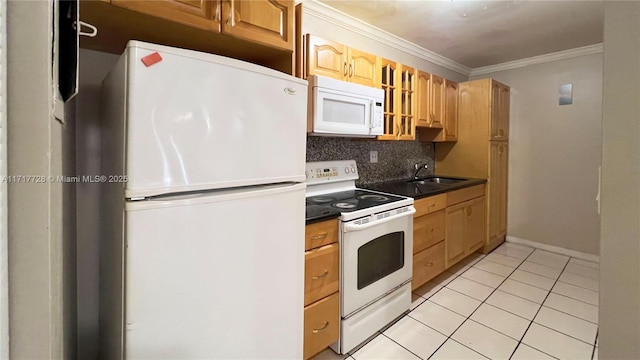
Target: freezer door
point(200, 121)
point(216, 277)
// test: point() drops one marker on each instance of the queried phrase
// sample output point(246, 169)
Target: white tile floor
point(515, 303)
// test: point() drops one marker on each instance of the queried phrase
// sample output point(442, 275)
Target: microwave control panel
point(331, 171)
point(377, 121)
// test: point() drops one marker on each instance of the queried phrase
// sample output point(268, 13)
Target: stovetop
point(351, 200)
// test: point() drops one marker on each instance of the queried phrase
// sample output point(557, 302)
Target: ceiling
point(482, 33)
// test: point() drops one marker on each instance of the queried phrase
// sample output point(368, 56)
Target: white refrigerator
point(202, 255)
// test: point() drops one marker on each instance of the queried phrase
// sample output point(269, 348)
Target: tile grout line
point(593, 352)
point(482, 302)
point(534, 317)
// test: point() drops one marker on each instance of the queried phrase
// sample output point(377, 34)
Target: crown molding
point(560, 55)
point(348, 22)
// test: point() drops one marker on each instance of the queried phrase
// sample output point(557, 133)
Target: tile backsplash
point(395, 158)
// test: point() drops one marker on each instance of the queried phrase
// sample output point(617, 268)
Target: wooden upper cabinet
point(337, 61)
point(363, 68)
point(389, 83)
point(407, 103)
point(197, 13)
point(499, 128)
point(265, 21)
point(437, 101)
point(325, 58)
point(424, 99)
point(451, 111)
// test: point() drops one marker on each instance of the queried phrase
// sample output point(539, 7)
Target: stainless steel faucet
point(419, 167)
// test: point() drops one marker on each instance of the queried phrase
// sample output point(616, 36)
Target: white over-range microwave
point(340, 108)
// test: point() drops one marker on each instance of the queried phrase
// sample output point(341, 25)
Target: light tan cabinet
point(497, 207)
point(450, 131)
point(337, 61)
point(430, 100)
point(465, 230)
point(201, 14)
point(437, 118)
point(265, 21)
point(321, 285)
point(268, 22)
point(483, 115)
point(499, 111)
point(428, 239)
point(399, 83)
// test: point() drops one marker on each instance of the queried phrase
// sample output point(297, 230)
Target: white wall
point(93, 68)
point(41, 216)
point(554, 153)
point(620, 243)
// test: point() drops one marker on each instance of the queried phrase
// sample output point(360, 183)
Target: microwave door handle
point(372, 114)
point(350, 227)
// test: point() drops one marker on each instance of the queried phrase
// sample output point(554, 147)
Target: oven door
point(376, 259)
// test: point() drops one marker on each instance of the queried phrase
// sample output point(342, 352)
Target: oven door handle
point(348, 227)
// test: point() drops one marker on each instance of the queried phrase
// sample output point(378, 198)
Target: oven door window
point(380, 257)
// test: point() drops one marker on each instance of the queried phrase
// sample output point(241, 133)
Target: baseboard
point(555, 249)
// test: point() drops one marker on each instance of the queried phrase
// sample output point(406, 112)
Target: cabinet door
point(423, 92)
point(503, 115)
point(428, 230)
point(363, 68)
point(474, 224)
point(497, 183)
point(197, 13)
point(389, 83)
point(451, 111)
point(321, 324)
point(499, 111)
point(407, 125)
point(265, 21)
point(503, 154)
point(427, 264)
point(325, 58)
point(455, 233)
point(437, 101)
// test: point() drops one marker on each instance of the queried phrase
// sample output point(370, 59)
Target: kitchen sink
point(436, 180)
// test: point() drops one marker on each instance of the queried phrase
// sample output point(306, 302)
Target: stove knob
point(353, 169)
point(346, 170)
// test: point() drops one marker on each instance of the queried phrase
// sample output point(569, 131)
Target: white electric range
point(376, 247)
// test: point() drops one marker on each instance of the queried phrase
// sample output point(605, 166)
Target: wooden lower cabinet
point(465, 232)
point(321, 324)
point(321, 272)
point(321, 285)
point(427, 264)
point(428, 230)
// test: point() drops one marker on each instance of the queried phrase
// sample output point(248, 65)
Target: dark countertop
point(417, 191)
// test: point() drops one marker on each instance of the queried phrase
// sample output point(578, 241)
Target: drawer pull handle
point(430, 263)
point(500, 132)
point(468, 210)
point(431, 230)
point(345, 69)
point(324, 326)
point(319, 236)
point(316, 277)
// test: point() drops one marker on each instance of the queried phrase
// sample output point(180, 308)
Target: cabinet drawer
point(320, 234)
point(321, 324)
point(428, 230)
point(427, 264)
point(430, 204)
point(458, 196)
point(321, 272)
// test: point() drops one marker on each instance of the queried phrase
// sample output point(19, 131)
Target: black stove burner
point(373, 197)
point(322, 199)
point(345, 205)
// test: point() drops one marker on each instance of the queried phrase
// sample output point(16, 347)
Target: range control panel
point(331, 171)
